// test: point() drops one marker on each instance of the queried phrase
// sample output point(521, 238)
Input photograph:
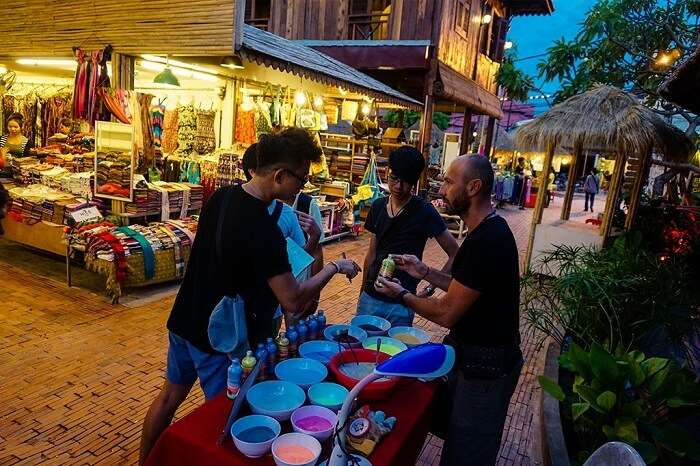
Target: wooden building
point(445, 53)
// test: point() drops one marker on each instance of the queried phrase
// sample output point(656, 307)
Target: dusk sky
point(533, 35)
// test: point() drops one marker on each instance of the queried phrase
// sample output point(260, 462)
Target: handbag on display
point(205, 138)
point(287, 114)
point(348, 110)
point(331, 112)
point(227, 330)
point(306, 118)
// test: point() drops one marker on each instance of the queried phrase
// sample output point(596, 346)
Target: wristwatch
point(429, 290)
point(400, 297)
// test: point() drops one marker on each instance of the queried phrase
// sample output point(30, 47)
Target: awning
point(276, 52)
point(458, 88)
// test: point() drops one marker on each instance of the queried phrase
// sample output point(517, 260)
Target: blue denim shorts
point(186, 363)
point(398, 314)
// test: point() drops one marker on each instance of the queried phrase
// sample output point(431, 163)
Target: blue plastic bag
point(227, 326)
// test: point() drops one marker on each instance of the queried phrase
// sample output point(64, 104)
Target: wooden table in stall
point(192, 441)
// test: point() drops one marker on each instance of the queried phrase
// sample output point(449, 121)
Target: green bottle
point(386, 271)
point(283, 346)
point(248, 364)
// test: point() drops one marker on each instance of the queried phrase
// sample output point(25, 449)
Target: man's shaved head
point(468, 177)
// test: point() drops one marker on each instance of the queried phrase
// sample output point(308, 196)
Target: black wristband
point(427, 272)
point(402, 295)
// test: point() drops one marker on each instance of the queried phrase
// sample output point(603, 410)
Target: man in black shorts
point(253, 264)
point(480, 307)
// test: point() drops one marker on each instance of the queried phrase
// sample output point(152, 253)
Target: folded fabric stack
point(359, 164)
point(196, 196)
point(146, 202)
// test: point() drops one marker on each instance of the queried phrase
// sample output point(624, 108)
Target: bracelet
point(337, 268)
point(425, 274)
point(402, 295)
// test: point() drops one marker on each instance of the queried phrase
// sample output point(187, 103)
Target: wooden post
point(611, 201)
point(636, 192)
point(571, 183)
point(466, 138)
point(539, 205)
point(491, 126)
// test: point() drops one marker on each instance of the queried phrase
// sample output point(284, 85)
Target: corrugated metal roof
point(277, 52)
point(364, 43)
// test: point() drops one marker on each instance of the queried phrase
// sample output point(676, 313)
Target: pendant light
point(233, 62)
point(167, 76)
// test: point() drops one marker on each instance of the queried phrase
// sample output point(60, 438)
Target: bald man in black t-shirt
point(480, 307)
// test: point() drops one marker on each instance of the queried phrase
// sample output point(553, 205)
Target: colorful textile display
point(245, 126)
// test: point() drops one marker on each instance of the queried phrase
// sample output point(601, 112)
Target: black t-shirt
point(406, 233)
point(487, 261)
point(254, 250)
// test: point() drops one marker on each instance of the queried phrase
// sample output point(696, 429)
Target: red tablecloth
point(193, 439)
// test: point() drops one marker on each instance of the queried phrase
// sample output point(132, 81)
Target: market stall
point(342, 370)
point(155, 152)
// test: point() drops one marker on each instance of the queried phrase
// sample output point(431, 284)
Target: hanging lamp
point(167, 76)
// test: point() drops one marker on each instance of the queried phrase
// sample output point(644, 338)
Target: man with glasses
point(400, 224)
point(251, 262)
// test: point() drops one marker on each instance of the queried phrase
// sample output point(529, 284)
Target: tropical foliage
point(631, 398)
point(620, 296)
point(441, 120)
point(630, 44)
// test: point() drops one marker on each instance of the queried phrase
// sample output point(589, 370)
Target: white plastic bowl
point(295, 438)
point(382, 324)
point(420, 335)
point(318, 411)
point(254, 449)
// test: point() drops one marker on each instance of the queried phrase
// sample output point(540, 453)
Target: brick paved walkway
point(78, 374)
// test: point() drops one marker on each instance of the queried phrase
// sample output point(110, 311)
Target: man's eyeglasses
point(393, 179)
point(302, 180)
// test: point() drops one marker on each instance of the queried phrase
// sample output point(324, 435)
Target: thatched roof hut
point(683, 85)
point(606, 120)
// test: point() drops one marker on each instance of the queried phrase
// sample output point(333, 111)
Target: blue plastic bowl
point(250, 447)
point(320, 350)
point(301, 371)
point(382, 324)
point(275, 398)
point(390, 346)
point(327, 394)
point(360, 335)
point(410, 336)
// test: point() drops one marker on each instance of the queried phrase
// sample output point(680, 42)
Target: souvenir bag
point(287, 112)
point(331, 112)
point(227, 330)
point(348, 110)
point(205, 139)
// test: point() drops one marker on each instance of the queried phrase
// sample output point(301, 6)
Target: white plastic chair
point(615, 454)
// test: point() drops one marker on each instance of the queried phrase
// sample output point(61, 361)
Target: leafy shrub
point(630, 398)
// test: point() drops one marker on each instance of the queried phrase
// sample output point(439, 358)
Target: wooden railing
point(486, 73)
point(368, 27)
